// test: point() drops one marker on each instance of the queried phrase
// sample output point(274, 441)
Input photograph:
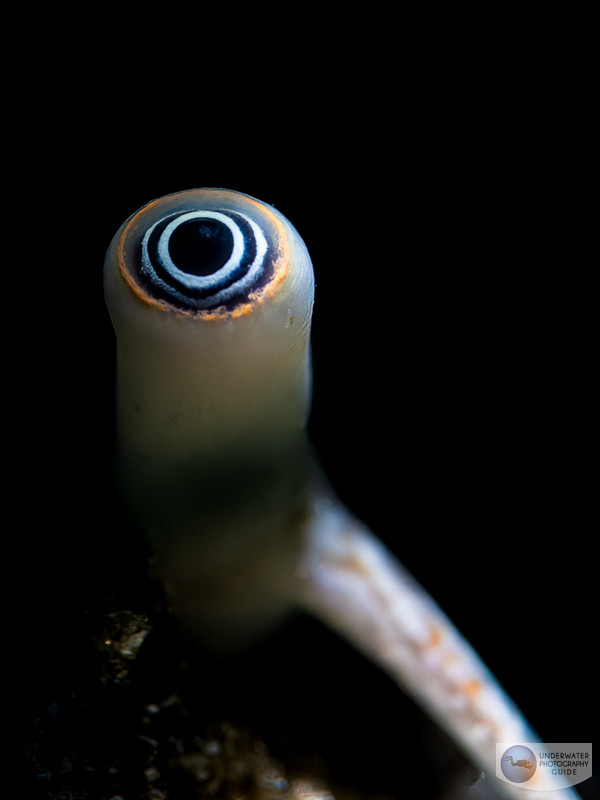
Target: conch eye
point(203, 259)
point(203, 250)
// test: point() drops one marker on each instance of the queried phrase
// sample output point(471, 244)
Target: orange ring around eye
point(281, 262)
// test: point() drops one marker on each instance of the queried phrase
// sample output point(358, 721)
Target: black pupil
point(200, 246)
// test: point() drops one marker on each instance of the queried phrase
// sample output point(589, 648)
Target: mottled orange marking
point(471, 688)
point(435, 638)
point(281, 265)
point(353, 564)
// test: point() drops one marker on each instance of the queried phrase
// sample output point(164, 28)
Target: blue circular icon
point(518, 763)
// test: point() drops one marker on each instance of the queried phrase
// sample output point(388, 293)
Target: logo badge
point(543, 767)
point(518, 763)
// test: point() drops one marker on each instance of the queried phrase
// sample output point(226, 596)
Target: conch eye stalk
point(210, 293)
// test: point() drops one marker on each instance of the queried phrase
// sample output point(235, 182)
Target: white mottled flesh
point(351, 581)
point(203, 397)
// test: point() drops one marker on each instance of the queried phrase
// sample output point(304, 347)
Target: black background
point(450, 390)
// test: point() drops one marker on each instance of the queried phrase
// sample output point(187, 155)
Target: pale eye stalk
point(211, 293)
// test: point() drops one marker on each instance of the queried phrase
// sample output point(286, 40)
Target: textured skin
point(213, 459)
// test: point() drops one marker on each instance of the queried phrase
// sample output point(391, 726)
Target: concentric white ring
point(205, 282)
point(200, 281)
